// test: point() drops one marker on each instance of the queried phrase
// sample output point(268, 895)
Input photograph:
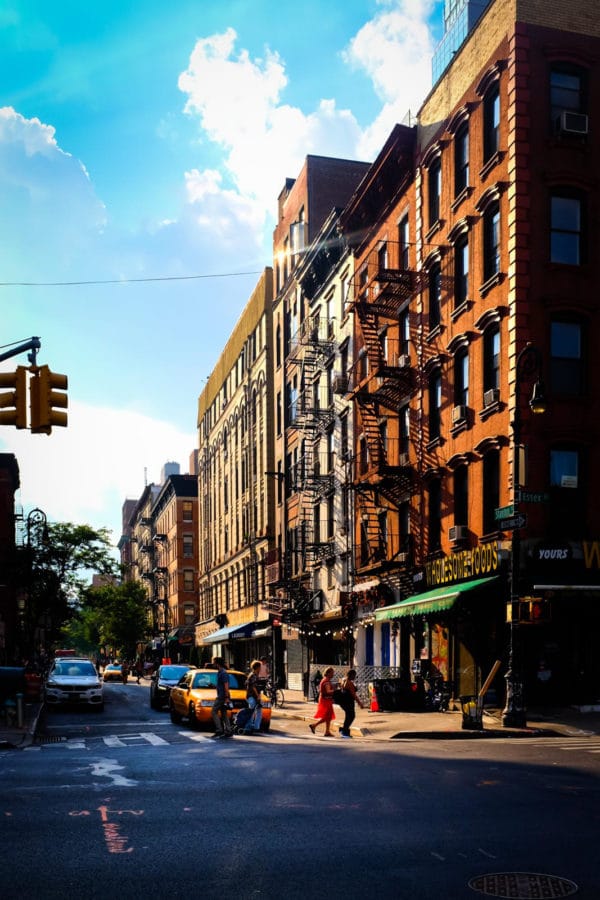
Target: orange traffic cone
point(374, 702)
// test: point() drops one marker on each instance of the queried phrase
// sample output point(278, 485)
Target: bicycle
point(275, 694)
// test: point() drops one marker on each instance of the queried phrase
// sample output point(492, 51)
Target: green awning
point(431, 601)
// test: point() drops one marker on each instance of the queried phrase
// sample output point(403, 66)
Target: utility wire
point(125, 280)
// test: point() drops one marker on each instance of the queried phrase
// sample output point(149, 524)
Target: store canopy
point(229, 634)
point(431, 601)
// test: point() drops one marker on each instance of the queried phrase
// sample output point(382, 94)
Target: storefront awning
point(229, 634)
point(366, 585)
point(262, 632)
point(431, 601)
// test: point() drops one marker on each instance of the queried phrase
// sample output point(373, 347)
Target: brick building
point(480, 245)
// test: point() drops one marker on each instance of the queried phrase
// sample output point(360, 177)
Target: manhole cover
point(523, 885)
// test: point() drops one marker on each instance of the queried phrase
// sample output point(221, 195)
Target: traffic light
point(13, 404)
point(46, 389)
point(534, 610)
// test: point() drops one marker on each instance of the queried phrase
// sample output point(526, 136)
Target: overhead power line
point(125, 280)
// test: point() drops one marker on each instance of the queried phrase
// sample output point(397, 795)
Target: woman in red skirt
point(325, 713)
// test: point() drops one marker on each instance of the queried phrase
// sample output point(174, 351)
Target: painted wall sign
point(482, 560)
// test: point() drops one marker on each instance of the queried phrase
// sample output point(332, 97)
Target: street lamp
point(37, 524)
point(528, 365)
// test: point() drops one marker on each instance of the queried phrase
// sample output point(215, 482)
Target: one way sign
point(513, 523)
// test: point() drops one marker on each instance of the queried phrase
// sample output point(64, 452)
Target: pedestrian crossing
point(149, 738)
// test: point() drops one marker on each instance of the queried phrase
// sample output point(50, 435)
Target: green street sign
point(504, 512)
point(532, 497)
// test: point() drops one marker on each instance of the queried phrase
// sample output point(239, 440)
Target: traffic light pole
point(33, 344)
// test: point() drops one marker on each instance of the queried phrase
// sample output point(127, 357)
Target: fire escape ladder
point(376, 458)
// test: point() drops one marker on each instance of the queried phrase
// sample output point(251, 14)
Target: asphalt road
point(125, 804)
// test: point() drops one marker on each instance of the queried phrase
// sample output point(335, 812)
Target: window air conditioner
point(490, 397)
point(403, 459)
point(459, 414)
point(457, 533)
point(404, 361)
point(402, 559)
point(572, 123)
point(340, 384)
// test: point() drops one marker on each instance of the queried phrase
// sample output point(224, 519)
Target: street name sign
point(513, 523)
point(532, 497)
point(504, 512)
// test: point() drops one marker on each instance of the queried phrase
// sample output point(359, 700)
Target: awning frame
point(436, 600)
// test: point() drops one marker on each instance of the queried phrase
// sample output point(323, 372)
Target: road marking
point(106, 768)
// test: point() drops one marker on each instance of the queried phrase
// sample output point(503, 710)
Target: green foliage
point(53, 570)
point(116, 615)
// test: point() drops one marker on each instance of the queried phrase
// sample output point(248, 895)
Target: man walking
point(223, 726)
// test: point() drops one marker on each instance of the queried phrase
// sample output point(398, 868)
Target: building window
point(188, 511)
point(461, 271)
point(461, 377)
point(435, 296)
point(564, 469)
point(434, 503)
point(344, 436)
point(404, 241)
point(491, 490)
point(566, 228)
point(568, 91)
point(188, 579)
point(491, 241)
point(491, 358)
point(404, 332)
point(566, 364)
point(435, 405)
point(461, 496)
point(434, 182)
point(567, 494)
point(404, 428)
point(461, 159)
point(491, 123)
point(188, 545)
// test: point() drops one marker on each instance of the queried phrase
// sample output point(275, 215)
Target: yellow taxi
point(193, 696)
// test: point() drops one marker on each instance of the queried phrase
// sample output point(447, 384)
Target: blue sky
point(147, 141)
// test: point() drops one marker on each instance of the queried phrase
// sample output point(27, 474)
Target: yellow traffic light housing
point(13, 404)
point(46, 393)
point(535, 610)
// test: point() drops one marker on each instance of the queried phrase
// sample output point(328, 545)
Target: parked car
point(112, 672)
point(74, 681)
point(163, 680)
point(193, 696)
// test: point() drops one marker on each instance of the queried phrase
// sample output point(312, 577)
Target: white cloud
point(394, 50)
point(78, 473)
point(239, 106)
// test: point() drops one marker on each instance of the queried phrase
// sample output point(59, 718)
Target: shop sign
point(553, 554)
point(479, 561)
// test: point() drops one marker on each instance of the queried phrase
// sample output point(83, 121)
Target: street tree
point(114, 615)
point(51, 572)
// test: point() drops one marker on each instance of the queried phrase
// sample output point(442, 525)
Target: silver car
point(74, 681)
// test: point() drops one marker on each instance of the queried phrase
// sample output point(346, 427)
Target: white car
point(74, 681)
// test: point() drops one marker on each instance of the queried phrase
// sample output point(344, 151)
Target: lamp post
point(528, 366)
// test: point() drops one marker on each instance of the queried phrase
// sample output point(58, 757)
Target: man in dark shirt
point(223, 726)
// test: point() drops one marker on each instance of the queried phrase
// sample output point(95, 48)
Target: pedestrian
point(349, 698)
point(324, 712)
point(264, 671)
point(253, 698)
point(139, 669)
point(124, 671)
point(222, 704)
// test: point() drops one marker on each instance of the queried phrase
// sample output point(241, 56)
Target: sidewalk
point(14, 737)
point(385, 726)
point(381, 726)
